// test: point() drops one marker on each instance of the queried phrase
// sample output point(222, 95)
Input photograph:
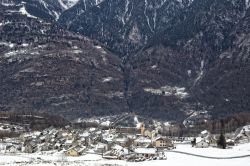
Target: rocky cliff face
point(123, 25)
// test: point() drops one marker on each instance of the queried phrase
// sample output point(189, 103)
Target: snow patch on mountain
point(23, 11)
point(97, 2)
point(107, 79)
point(179, 92)
point(201, 73)
point(7, 3)
point(125, 12)
point(65, 7)
point(247, 4)
point(147, 18)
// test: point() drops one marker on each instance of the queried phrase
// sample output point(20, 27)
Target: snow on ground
point(242, 149)
point(174, 159)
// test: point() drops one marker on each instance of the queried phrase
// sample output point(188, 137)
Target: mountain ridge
point(168, 58)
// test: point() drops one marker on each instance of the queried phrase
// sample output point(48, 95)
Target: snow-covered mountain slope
point(46, 68)
point(68, 3)
point(49, 10)
point(124, 25)
point(204, 51)
point(176, 56)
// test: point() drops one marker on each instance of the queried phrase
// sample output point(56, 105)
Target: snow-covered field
point(174, 159)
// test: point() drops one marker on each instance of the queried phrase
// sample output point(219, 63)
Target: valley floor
point(174, 159)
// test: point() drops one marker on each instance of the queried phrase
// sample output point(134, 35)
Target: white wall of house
point(202, 144)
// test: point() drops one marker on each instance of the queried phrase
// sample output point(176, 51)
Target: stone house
point(75, 151)
point(72, 152)
point(30, 147)
point(163, 142)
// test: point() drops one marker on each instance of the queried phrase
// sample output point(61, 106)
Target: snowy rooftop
point(204, 132)
point(145, 150)
point(143, 140)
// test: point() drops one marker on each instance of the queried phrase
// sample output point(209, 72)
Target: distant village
point(118, 141)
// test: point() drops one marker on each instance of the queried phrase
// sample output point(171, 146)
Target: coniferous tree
point(222, 142)
point(193, 142)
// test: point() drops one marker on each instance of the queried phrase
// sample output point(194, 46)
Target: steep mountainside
point(49, 10)
point(124, 25)
point(205, 51)
point(173, 58)
point(45, 68)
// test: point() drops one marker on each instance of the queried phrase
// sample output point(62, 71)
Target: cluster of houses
point(206, 139)
point(125, 143)
point(5, 127)
point(136, 143)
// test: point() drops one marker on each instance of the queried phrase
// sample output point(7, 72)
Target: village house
point(230, 142)
point(205, 140)
point(163, 143)
point(127, 130)
point(149, 133)
point(204, 134)
point(12, 148)
point(68, 143)
point(3, 145)
point(116, 152)
point(145, 152)
point(201, 143)
point(101, 147)
point(109, 137)
point(142, 141)
point(45, 147)
point(242, 139)
point(213, 141)
point(41, 139)
point(85, 137)
point(58, 146)
point(75, 151)
point(244, 135)
point(29, 147)
point(72, 152)
point(121, 140)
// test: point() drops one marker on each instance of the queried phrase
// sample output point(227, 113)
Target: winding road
point(209, 157)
